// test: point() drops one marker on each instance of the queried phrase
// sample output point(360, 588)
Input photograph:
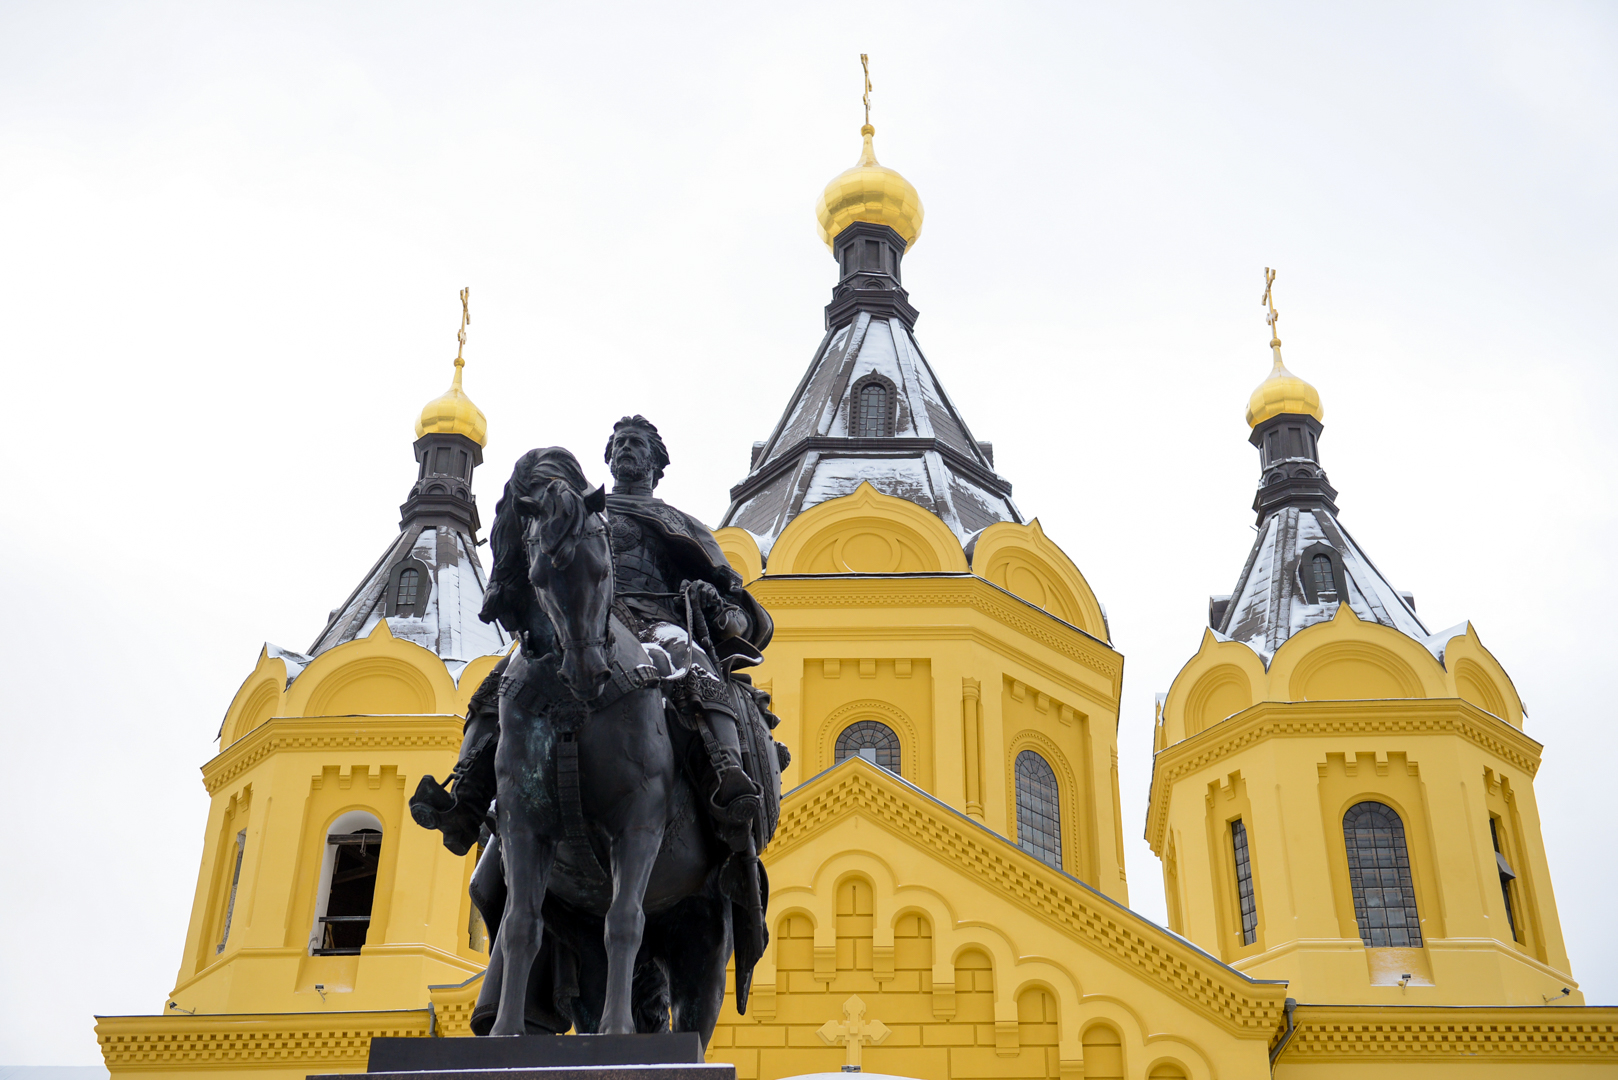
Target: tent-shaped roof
point(815, 455)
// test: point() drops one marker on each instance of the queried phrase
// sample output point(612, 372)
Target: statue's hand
point(705, 595)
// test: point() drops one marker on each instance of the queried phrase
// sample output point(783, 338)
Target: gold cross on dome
point(865, 62)
point(466, 317)
point(1269, 301)
point(853, 1032)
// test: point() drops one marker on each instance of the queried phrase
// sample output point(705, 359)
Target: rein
point(602, 640)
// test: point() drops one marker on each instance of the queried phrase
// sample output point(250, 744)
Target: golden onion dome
point(453, 413)
point(1282, 392)
point(869, 192)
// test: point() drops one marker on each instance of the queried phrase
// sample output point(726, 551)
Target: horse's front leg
point(633, 854)
point(528, 869)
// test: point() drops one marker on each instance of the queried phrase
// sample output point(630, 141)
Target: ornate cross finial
point(1274, 316)
point(466, 317)
point(853, 1032)
point(865, 62)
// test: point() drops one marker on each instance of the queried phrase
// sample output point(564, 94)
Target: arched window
point(873, 411)
point(1507, 876)
point(348, 885)
point(1325, 583)
point(1379, 873)
point(1039, 811)
point(1244, 881)
point(873, 741)
point(409, 580)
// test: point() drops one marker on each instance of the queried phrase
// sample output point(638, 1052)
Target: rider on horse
point(663, 561)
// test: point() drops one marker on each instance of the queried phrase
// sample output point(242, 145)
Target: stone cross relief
point(853, 1032)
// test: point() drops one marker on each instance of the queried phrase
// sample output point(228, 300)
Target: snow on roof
point(447, 622)
point(814, 456)
point(1269, 604)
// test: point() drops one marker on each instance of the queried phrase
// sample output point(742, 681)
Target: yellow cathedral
point(1342, 800)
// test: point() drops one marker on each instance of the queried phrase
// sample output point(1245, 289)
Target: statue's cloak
point(697, 557)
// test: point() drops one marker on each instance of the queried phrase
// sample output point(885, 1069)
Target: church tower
point(947, 881)
point(1340, 797)
point(323, 914)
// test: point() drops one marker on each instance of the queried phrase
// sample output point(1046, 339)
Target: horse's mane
point(510, 596)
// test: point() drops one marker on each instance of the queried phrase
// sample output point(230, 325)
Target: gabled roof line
point(967, 819)
point(1210, 991)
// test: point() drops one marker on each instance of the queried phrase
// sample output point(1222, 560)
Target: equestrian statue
point(617, 768)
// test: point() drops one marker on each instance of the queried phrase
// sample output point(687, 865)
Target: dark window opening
point(1244, 882)
point(1379, 874)
point(1039, 810)
point(873, 411)
point(873, 741)
point(353, 886)
point(409, 581)
point(235, 880)
point(1507, 876)
point(1325, 582)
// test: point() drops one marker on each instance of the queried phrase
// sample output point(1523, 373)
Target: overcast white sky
point(231, 238)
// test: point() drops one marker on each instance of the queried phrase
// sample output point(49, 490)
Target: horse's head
point(568, 561)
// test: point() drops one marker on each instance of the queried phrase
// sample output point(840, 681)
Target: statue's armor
point(641, 564)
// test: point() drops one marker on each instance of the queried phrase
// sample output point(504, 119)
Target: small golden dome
point(869, 192)
point(1282, 392)
point(454, 414)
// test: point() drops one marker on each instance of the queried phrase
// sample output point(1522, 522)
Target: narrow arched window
point(1507, 876)
point(348, 886)
point(1244, 881)
point(1039, 810)
point(874, 409)
point(1379, 874)
point(871, 740)
point(1325, 582)
point(409, 581)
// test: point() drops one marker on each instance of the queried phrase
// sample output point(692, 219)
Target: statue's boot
point(734, 804)
point(459, 815)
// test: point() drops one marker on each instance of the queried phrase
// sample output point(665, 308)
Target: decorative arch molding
point(1026, 563)
point(1214, 654)
point(1474, 684)
point(373, 685)
point(375, 675)
point(741, 551)
point(241, 717)
point(1219, 693)
point(1075, 854)
point(1479, 678)
point(1350, 659)
point(1350, 670)
point(259, 707)
point(866, 532)
point(883, 713)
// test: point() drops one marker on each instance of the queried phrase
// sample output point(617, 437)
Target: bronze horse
point(601, 832)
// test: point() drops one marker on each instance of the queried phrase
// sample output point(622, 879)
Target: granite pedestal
point(672, 1056)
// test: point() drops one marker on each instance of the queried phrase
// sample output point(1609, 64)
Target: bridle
point(591, 530)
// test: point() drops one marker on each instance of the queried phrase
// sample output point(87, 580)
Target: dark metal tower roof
point(905, 437)
point(1304, 564)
